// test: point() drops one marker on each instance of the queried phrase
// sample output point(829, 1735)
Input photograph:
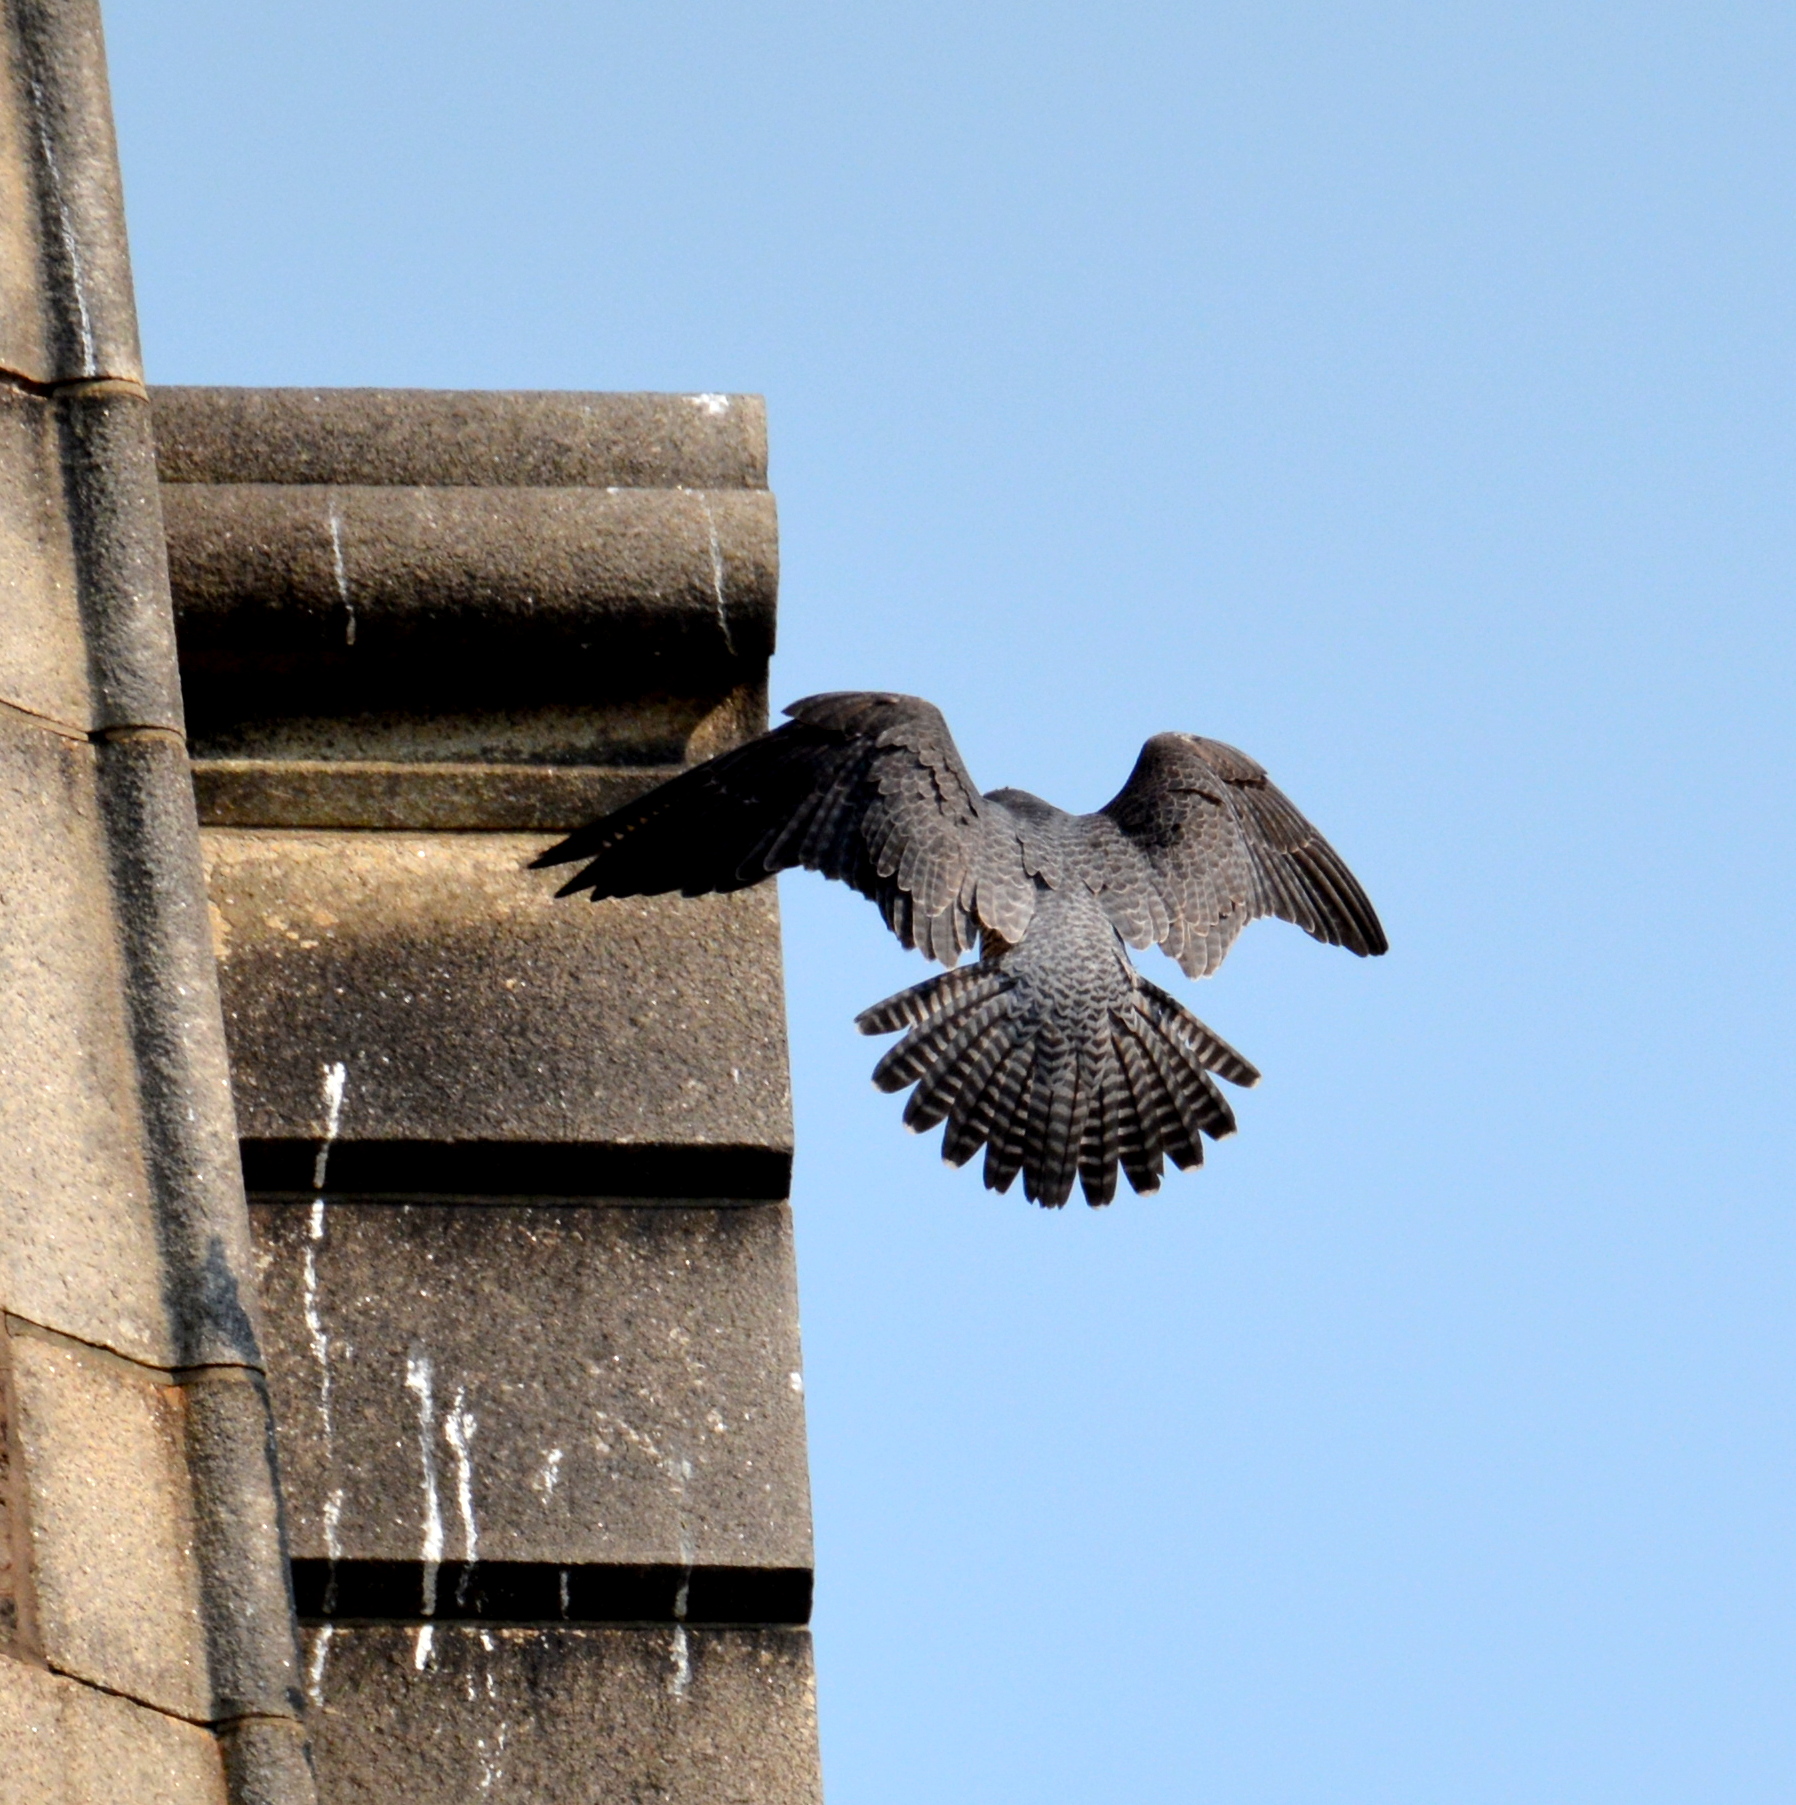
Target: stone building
point(462, 1456)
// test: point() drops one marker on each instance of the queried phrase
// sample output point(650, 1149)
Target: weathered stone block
point(251, 1653)
point(70, 315)
point(394, 795)
point(493, 1040)
point(171, 988)
point(16, 1630)
point(25, 325)
point(121, 556)
point(115, 1580)
point(43, 656)
point(461, 438)
point(342, 599)
point(63, 1743)
point(563, 1716)
point(537, 769)
point(575, 1387)
point(79, 1245)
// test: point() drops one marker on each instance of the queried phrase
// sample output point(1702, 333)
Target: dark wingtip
point(582, 843)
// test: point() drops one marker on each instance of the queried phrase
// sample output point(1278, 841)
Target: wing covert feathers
point(1199, 842)
point(860, 786)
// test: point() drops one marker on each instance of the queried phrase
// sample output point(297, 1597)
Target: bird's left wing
point(865, 787)
point(1199, 842)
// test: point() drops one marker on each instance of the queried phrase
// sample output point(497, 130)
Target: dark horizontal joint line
point(506, 1171)
point(74, 387)
point(539, 1592)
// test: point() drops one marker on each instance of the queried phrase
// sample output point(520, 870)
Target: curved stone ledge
point(484, 437)
point(318, 598)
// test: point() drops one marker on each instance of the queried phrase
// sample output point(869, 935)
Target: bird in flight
point(1050, 1051)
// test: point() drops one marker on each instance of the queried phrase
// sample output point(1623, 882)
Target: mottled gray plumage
point(1051, 1051)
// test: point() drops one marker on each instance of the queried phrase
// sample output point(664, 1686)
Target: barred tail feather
point(1057, 1102)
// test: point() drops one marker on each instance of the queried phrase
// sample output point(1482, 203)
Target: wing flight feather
point(1199, 842)
point(864, 787)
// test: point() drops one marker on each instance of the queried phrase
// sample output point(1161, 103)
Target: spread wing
point(1199, 842)
point(863, 787)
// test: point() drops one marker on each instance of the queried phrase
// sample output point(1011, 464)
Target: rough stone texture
point(474, 437)
point(66, 309)
point(43, 655)
point(554, 1402)
point(116, 1581)
point(89, 641)
point(355, 598)
point(17, 1632)
point(627, 1380)
point(171, 989)
point(121, 557)
point(63, 1743)
point(25, 325)
point(564, 1716)
point(469, 1007)
point(122, 1222)
point(239, 1542)
point(79, 1246)
point(652, 730)
point(440, 797)
point(267, 1761)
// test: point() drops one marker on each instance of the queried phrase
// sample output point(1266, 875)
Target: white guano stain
point(315, 1329)
point(423, 1643)
point(458, 1430)
point(420, 1382)
point(333, 1516)
point(336, 1087)
point(341, 572)
point(719, 576)
point(710, 404)
point(321, 1654)
point(546, 1481)
point(65, 225)
point(492, 1766)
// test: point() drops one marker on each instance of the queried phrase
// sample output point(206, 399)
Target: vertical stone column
point(518, 1166)
point(146, 1632)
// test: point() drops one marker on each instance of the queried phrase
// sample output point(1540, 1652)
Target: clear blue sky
point(1403, 393)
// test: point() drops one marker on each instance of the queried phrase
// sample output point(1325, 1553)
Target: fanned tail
point(1128, 1082)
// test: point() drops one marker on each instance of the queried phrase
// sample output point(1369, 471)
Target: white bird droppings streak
point(341, 571)
point(711, 404)
point(717, 572)
point(321, 1654)
point(419, 1381)
point(682, 1662)
point(315, 1330)
point(550, 1476)
point(336, 1086)
point(458, 1429)
point(71, 245)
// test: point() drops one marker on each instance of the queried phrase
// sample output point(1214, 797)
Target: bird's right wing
point(1200, 841)
point(864, 787)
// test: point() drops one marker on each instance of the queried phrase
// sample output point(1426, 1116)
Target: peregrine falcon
point(1050, 1051)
